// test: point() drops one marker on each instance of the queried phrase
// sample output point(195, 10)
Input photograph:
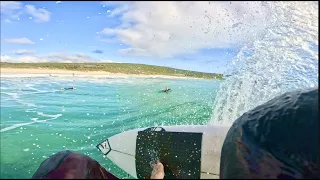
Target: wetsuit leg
point(69, 165)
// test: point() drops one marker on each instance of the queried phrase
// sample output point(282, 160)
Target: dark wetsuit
point(166, 90)
point(276, 140)
point(68, 88)
point(70, 165)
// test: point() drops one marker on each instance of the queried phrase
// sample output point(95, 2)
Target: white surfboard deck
point(123, 148)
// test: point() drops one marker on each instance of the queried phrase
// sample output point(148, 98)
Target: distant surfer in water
point(166, 90)
point(68, 88)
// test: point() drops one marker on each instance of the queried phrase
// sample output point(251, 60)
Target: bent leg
point(69, 165)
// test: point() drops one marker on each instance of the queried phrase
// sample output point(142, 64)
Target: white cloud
point(7, 21)
point(78, 57)
point(108, 40)
point(19, 41)
point(23, 59)
point(54, 57)
point(23, 52)
point(108, 31)
point(167, 29)
point(39, 15)
point(123, 8)
point(113, 3)
point(29, 59)
point(5, 58)
point(12, 10)
point(7, 6)
point(133, 51)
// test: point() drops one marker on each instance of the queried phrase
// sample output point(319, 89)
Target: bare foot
point(158, 171)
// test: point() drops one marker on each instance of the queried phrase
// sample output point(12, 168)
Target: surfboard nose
point(104, 147)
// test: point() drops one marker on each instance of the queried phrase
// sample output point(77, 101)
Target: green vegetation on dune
point(125, 68)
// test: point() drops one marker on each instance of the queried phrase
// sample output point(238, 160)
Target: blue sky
point(166, 34)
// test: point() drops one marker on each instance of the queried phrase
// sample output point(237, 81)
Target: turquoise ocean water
point(38, 119)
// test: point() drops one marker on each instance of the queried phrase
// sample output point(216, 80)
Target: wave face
point(283, 58)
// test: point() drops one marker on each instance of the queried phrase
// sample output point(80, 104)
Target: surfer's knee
point(275, 140)
point(70, 165)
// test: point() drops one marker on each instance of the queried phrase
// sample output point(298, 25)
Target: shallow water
point(38, 119)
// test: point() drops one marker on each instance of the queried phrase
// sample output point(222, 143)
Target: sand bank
point(21, 72)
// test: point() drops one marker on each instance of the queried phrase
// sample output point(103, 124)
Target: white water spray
point(282, 59)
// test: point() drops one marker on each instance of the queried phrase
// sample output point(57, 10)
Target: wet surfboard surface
point(187, 152)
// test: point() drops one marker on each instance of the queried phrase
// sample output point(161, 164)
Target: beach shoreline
point(42, 72)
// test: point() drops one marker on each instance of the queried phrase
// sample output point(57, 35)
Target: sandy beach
point(21, 72)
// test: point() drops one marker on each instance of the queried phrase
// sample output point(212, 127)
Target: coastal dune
point(99, 70)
